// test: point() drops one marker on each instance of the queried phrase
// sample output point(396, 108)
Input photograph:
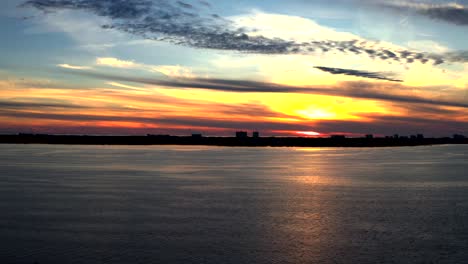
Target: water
point(172, 204)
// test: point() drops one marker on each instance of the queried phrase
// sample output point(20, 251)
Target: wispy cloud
point(364, 74)
point(74, 67)
point(125, 86)
point(116, 63)
point(167, 70)
point(174, 71)
point(35, 105)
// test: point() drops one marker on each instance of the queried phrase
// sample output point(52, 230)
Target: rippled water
point(171, 204)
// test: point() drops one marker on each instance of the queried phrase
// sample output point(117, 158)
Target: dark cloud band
point(182, 23)
point(448, 12)
point(355, 90)
point(364, 74)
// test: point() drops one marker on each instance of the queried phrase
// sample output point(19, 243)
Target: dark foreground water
point(170, 204)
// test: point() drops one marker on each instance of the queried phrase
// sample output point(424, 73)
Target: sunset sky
point(284, 68)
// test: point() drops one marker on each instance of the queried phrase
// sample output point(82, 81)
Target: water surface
point(173, 204)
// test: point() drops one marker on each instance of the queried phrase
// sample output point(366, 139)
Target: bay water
point(192, 204)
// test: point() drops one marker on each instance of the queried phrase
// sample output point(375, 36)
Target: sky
point(283, 68)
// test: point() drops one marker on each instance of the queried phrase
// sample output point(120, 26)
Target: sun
point(308, 133)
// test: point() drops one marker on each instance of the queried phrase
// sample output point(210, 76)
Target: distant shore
point(227, 141)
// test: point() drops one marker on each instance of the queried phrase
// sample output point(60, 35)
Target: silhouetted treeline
point(228, 141)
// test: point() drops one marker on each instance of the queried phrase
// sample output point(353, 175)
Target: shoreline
point(225, 141)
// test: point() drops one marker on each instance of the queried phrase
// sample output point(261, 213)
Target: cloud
point(179, 23)
point(364, 74)
point(184, 5)
point(289, 27)
point(428, 46)
point(167, 70)
point(125, 86)
point(73, 67)
point(457, 56)
point(361, 90)
point(116, 63)
point(373, 123)
point(116, 9)
point(26, 83)
point(32, 105)
point(432, 110)
point(389, 125)
point(205, 3)
point(173, 71)
point(453, 13)
point(256, 111)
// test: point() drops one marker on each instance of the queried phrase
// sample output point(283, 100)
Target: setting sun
point(308, 133)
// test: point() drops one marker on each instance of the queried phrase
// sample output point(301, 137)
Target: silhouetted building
point(369, 136)
point(241, 134)
point(256, 134)
point(420, 136)
point(456, 136)
point(396, 136)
